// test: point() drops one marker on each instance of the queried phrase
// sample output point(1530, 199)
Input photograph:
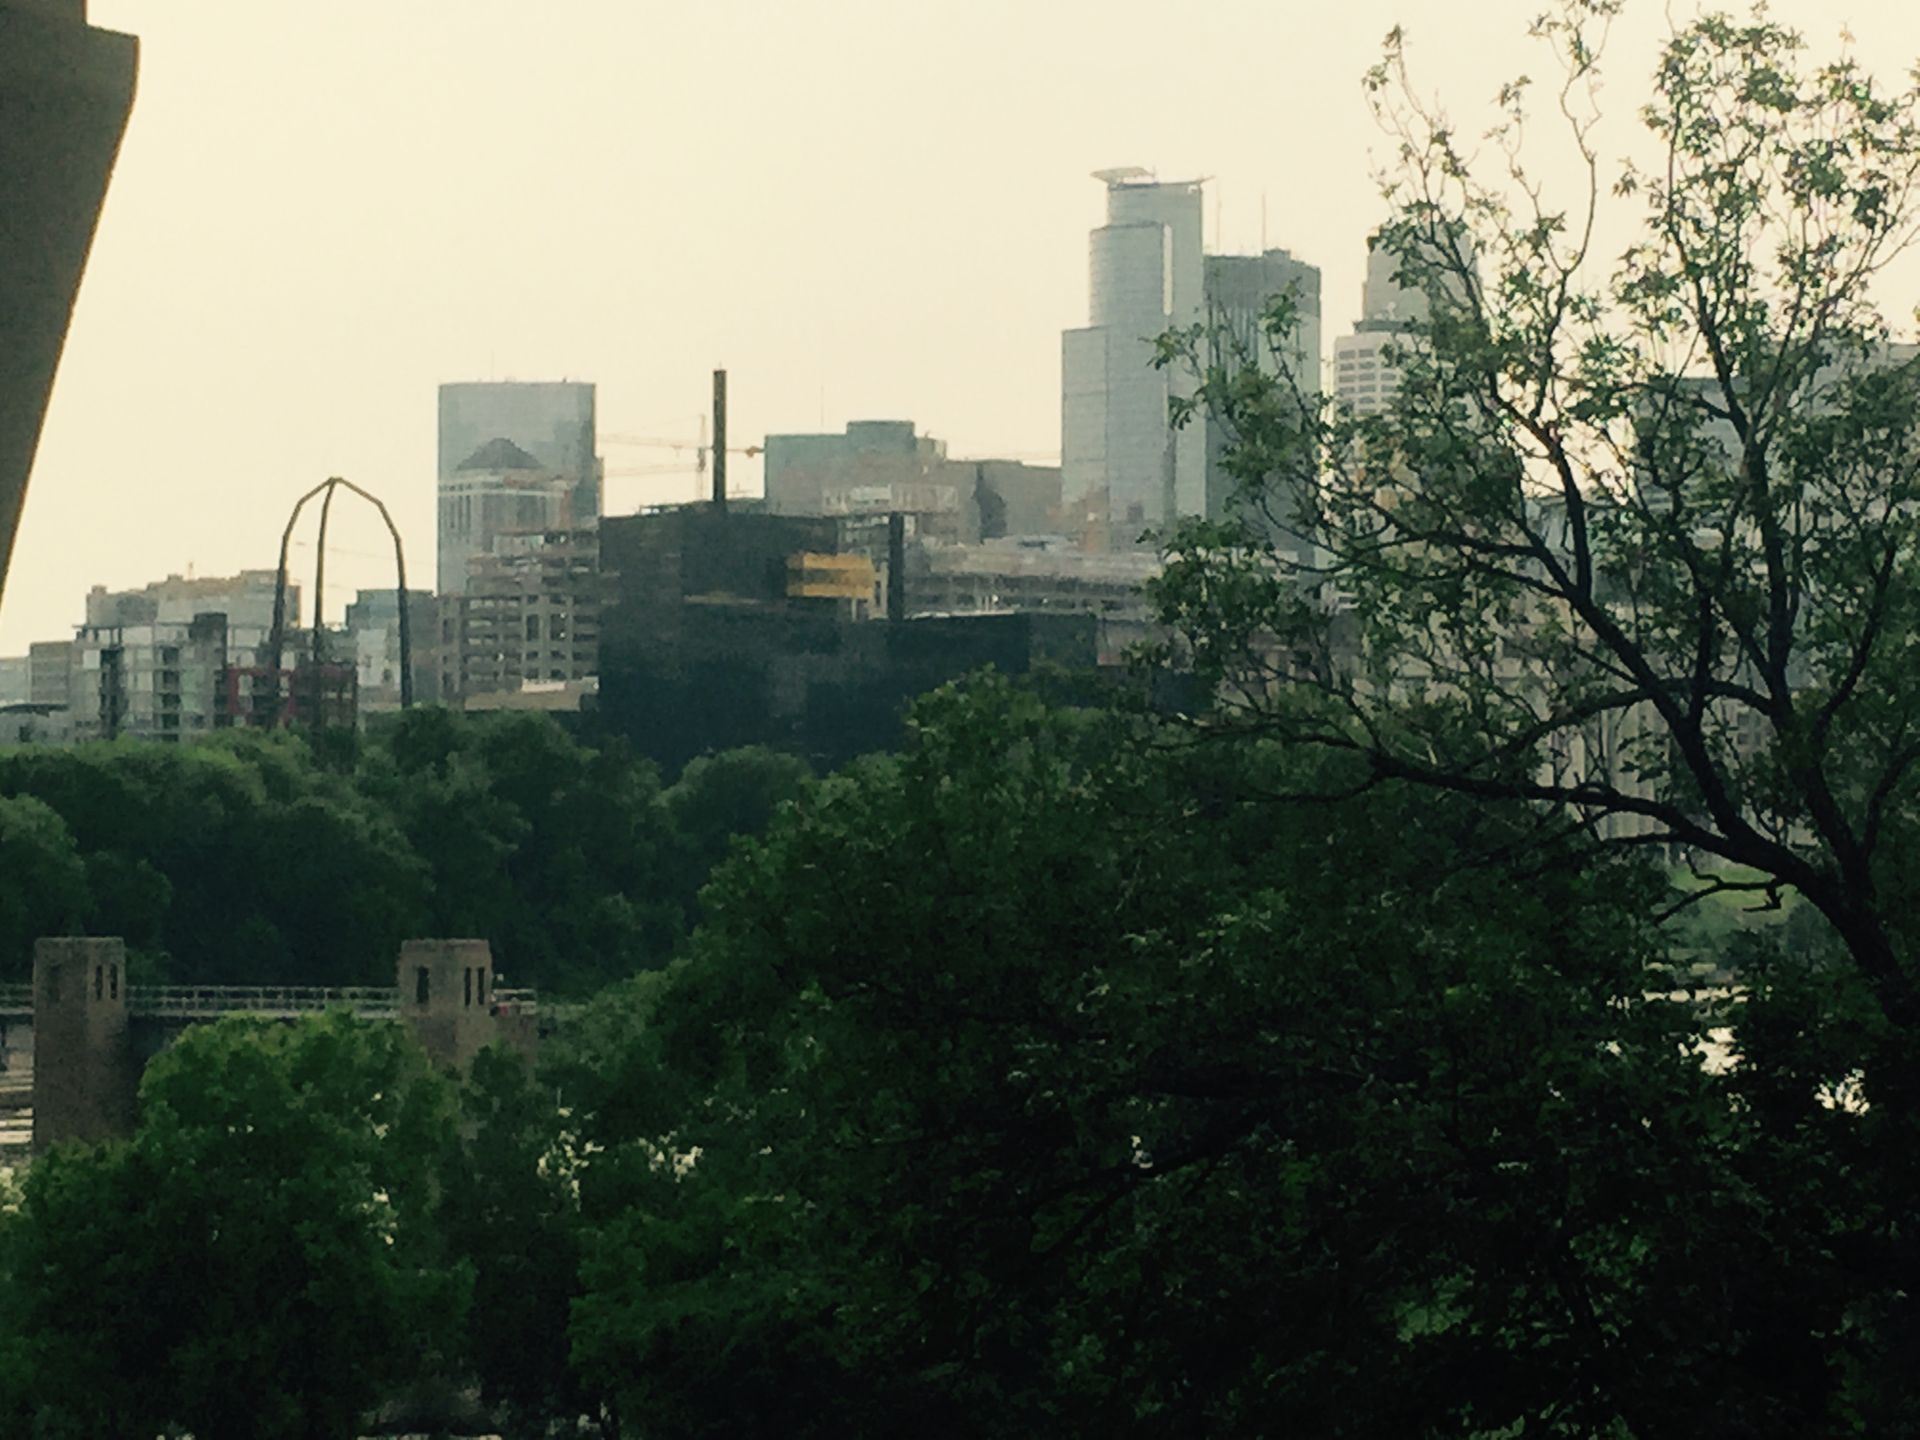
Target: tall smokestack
point(896, 566)
point(720, 440)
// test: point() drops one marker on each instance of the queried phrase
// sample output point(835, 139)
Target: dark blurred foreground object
point(66, 90)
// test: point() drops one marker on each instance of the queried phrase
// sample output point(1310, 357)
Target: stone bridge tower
point(84, 1072)
point(446, 998)
point(93, 1036)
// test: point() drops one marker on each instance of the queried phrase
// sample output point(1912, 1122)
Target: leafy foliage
point(46, 881)
point(1637, 539)
point(1051, 1077)
point(258, 1259)
point(510, 1210)
point(1634, 544)
point(252, 860)
point(1037, 1081)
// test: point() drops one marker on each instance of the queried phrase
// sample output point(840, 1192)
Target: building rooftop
point(499, 454)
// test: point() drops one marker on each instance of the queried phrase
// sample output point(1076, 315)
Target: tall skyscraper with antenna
point(1124, 469)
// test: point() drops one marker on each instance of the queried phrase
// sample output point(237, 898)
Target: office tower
point(877, 467)
point(1364, 380)
point(1240, 289)
point(528, 616)
point(1124, 469)
point(498, 490)
point(553, 421)
point(883, 461)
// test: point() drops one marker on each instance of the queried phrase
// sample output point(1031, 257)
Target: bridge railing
point(202, 1000)
point(206, 1001)
point(529, 1001)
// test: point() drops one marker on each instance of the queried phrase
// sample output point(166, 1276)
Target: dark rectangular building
point(712, 639)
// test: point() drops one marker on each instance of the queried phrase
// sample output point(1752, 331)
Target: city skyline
point(319, 218)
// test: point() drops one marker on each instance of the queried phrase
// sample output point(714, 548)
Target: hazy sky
point(863, 208)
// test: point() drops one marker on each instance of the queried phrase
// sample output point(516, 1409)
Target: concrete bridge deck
point(279, 1002)
point(82, 1035)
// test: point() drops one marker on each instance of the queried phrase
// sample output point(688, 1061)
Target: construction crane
point(700, 447)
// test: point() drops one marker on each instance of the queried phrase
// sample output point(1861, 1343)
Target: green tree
point(45, 889)
point(246, 859)
point(549, 849)
point(1041, 1081)
point(510, 1210)
point(719, 799)
point(1637, 538)
point(441, 797)
point(232, 861)
point(1635, 544)
point(260, 1259)
point(85, 1305)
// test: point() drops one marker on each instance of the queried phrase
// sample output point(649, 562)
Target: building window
point(466, 977)
point(421, 984)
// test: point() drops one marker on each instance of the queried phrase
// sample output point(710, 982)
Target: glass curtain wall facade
point(1123, 466)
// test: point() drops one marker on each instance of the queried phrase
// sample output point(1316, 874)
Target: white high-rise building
point(1363, 380)
point(1124, 469)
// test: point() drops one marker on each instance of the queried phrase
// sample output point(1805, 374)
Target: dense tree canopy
point(224, 862)
point(1634, 544)
point(46, 881)
point(509, 1208)
point(255, 860)
point(1041, 1081)
point(258, 1260)
point(1059, 1075)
